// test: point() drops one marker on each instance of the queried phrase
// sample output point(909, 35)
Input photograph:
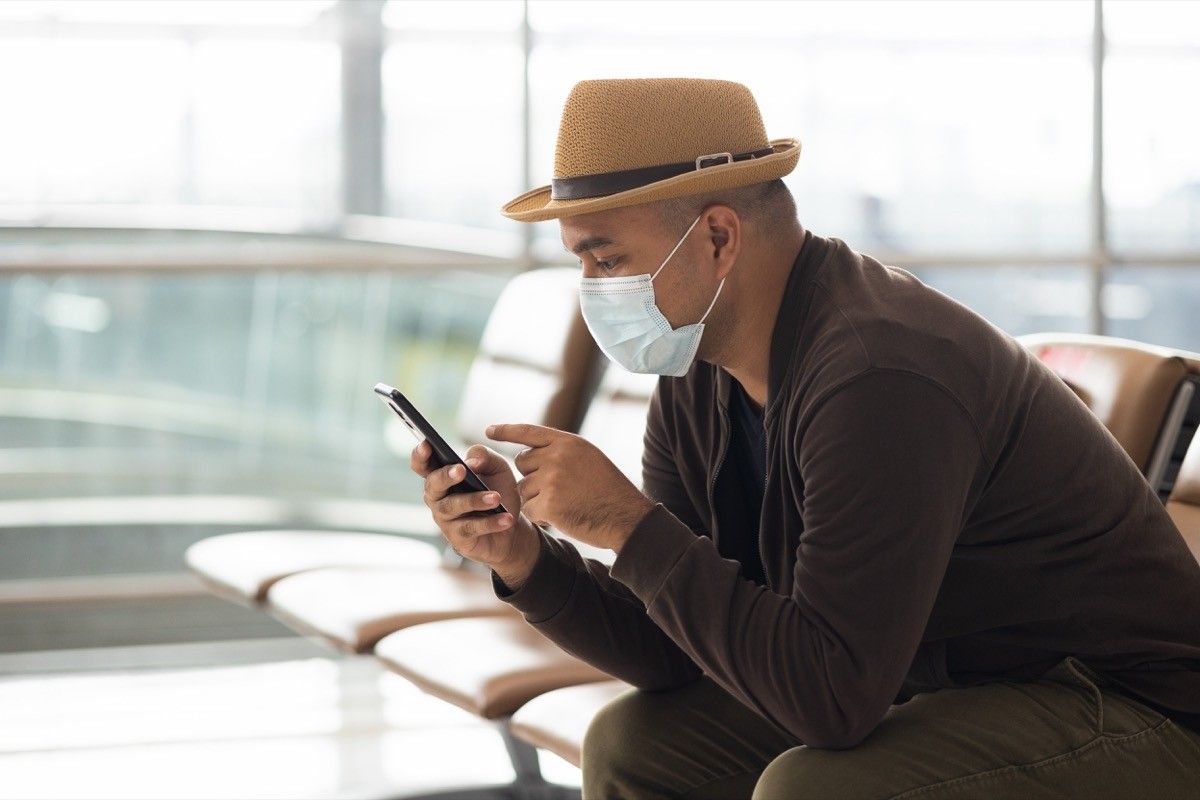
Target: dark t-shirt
point(747, 458)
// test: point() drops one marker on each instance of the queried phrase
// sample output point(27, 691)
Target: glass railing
point(144, 408)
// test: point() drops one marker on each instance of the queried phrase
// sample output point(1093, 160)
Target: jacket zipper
point(766, 468)
point(766, 475)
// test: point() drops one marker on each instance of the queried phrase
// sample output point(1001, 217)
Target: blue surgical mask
point(630, 328)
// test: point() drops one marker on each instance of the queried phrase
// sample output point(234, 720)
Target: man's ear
point(725, 237)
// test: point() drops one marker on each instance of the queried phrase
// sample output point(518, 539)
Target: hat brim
point(536, 205)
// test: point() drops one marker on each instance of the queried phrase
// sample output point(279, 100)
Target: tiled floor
point(302, 727)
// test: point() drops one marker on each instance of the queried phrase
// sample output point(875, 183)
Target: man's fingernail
point(473, 461)
point(456, 471)
point(506, 520)
point(490, 430)
point(491, 497)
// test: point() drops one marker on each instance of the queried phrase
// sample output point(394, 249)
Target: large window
point(453, 104)
point(1152, 125)
point(161, 103)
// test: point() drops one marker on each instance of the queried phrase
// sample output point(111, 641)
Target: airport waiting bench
point(544, 696)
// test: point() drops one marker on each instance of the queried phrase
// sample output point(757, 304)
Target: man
point(881, 550)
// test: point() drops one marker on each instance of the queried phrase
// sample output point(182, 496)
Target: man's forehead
point(589, 241)
point(601, 229)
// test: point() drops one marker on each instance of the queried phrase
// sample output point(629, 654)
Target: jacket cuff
point(653, 548)
point(546, 590)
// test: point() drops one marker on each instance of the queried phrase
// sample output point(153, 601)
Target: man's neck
point(748, 355)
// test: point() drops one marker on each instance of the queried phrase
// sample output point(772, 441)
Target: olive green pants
point(1063, 735)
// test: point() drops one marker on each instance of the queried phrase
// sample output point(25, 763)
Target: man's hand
point(573, 486)
point(506, 543)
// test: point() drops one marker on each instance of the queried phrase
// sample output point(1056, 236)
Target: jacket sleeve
point(577, 604)
point(888, 464)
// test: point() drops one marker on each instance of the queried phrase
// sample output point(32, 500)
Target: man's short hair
point(760, 205)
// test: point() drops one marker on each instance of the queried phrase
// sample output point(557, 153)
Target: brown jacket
point(940, 510)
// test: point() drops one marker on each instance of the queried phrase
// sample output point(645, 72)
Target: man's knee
point(614, 743)
point(803, 773)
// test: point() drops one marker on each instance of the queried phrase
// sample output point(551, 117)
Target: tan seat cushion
point(557, 720)
point(1127, 385)
point(352, 608)
point(490, 667)
point(242, 566)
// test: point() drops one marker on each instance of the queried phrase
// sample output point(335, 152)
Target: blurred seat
point(488, 666)
point(536, 361)
point(1141, 393)
point(558, 720)
point(616, 418)
point(352, 608)
point(1184, 502)
point(241, 567)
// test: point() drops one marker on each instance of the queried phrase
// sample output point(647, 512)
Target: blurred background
point(222, 222)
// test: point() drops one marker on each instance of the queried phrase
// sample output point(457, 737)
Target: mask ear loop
point(720, 286)
point(677, 244)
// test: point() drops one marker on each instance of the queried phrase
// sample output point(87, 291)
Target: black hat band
point(623, 180)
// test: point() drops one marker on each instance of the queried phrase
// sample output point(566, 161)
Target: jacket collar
point(793, 307)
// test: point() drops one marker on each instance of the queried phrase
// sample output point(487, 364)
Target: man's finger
point(454, 505)
point(522, 433)
point(527, 460)
point(481, 526)
point(438, 481)
point(419, 460)
point(528, 489)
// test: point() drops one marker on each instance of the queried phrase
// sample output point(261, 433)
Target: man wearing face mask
point(879, 549)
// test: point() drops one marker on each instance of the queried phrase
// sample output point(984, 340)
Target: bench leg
point(529, 783)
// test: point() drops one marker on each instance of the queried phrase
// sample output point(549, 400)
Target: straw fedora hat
point(626, 141)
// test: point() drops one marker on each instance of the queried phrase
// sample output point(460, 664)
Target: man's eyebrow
point(590, 243)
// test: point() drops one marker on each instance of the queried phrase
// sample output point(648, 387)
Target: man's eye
point(608, 265)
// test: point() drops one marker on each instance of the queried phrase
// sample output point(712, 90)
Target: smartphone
point(443, 454)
